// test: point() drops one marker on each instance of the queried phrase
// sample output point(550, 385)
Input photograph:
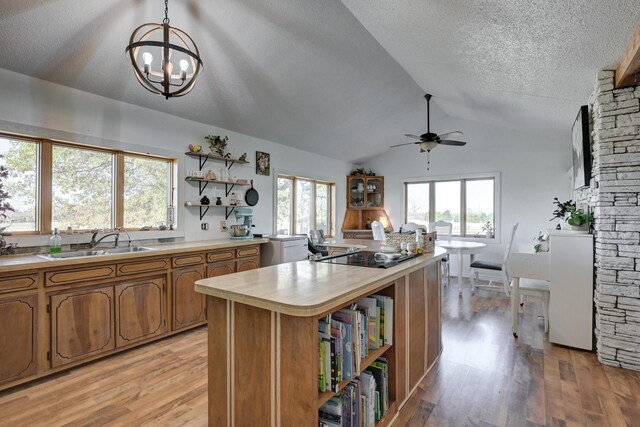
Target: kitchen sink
point(95, 252)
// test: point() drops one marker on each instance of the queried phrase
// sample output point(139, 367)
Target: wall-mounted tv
point(581, 149)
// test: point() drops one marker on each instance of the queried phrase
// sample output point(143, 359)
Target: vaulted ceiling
point(343, 79)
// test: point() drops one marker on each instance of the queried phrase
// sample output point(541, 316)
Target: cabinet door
point(18, 316)
point(375, 192)
point(82, 325)
point(434, 327)
point(221, 268)
point(356, 192)
point(188, 306)
point(248, 264)
point(139, 310)
point(417, 345)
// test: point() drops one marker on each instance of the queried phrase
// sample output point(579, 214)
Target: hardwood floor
point(484, 378)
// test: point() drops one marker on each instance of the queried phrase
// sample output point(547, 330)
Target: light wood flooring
point(484, 378)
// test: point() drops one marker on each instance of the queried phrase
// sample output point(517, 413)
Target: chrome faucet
point(95, 242)
point(126, 232)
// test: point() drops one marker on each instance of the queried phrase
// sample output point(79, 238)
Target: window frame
point(330, 202)
point(463, 200)
point(44, 183)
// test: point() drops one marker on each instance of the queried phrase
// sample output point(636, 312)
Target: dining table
point(461, 247)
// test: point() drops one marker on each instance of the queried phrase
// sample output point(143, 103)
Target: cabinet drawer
point(247, 264)
point(55, 278)
point(142, 266)
point(218, 256)
point(221, 268)
point(248, 251)
point(18, 283)
point(191, 259)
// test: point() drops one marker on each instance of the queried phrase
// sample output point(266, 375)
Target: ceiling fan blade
point(408, 135)
point(452, 142)
point(404, 143)
point(450, 133)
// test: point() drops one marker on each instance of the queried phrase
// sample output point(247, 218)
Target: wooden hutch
point(365, 203)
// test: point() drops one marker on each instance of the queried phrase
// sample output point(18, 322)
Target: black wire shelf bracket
point(203, 213)
point(228, 211)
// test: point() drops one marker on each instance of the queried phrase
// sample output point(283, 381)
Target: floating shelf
point(206, 182)
point(203, 157)
point(205, 208)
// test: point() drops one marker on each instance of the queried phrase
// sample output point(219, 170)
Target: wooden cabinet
point(18, 317)
point(144, 266)
point(18, 283)
point(365, 203)
point(245, 264)
point(188, 305)
point(139, 310)
point(190, 259)
point(221, 268)
point(65, 277)
point(82, 324)
point(223, 255)
point(248, 251)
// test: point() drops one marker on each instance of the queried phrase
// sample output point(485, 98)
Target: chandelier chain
point(166, 12)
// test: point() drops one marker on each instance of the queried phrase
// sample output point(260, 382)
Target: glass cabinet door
point(356, 192)
point(375, 191)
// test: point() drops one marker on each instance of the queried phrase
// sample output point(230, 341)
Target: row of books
point(362, 403)
point(346, 336)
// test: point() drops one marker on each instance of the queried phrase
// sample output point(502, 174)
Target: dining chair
point(443, 229)
point(411, 227)
point(492, 267)
point(536, 288)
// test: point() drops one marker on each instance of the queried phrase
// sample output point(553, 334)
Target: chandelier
point(156, 71)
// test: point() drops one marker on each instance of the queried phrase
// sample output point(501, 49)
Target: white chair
point(536, 288)
point(444, 230)
point(493, 267)
point(378, 231)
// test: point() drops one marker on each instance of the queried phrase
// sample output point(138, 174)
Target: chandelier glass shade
point(165, 60)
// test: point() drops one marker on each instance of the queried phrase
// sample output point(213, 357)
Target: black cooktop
point(367, 259)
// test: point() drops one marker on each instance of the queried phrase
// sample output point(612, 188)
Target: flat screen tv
point(581, 149)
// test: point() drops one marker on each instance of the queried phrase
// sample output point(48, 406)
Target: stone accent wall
point(613, 197)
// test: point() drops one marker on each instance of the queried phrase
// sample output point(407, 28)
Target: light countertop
point(31, 262)
point(307, 288)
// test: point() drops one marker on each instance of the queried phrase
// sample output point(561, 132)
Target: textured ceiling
point(330, 78)
point(523, 64)
point(304, 73)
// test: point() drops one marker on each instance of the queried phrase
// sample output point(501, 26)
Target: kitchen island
point(263, 336)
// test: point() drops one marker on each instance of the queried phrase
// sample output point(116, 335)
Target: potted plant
point(487, 227)
point(217, 143)
point(370, 219)
point(541, 242)
point(572, 218)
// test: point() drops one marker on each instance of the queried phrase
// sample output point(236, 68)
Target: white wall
point(532, 172)
point(35, 107)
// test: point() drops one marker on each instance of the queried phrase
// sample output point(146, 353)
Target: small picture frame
point(263, 163)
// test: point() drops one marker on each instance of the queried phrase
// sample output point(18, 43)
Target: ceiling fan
point(428, 141)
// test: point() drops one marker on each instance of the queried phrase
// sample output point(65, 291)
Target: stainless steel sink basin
point(95, 252)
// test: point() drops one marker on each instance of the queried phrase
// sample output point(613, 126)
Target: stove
point(366, 259)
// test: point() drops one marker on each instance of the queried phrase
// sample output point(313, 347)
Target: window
point(81, 188)
point(304, 204)
point(60, 185)
point(466, 203)
point(20, 159)
point(147, 191)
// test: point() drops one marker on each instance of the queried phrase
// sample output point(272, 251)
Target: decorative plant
point(568, 212)
point(541, 242)
point(217, 143)
point(487, 227)
point(363, 172)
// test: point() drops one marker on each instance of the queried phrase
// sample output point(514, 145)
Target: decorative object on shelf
point(263, 163)
point(573, 219)
point(233, 200)
point(162, 226)
point(370, 219)
point(172, 46)
point(363, 172)
point(360, 187)
point(171, 216)
point(195, 148)
point(223, 174)
point(217, 144)
point(218, 201)
point(541, 242)
point(205, 200)
point(210, 175)
point(487, 227)
point(243, 158)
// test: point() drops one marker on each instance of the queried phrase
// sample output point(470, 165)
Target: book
point(371, 307)
point(386, 303)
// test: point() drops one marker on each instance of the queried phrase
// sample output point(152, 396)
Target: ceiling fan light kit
point(171, 46)
point(428, 141)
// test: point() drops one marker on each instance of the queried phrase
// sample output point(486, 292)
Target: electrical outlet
point(223, 225)
point(204, 226)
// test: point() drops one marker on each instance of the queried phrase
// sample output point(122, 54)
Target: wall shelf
point(227, 189)
point(204, 157)
point(228, 209)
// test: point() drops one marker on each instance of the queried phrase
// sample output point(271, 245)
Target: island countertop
point(307, 288)
point(30, 262)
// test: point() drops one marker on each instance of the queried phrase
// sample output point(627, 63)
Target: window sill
point(71, 239)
